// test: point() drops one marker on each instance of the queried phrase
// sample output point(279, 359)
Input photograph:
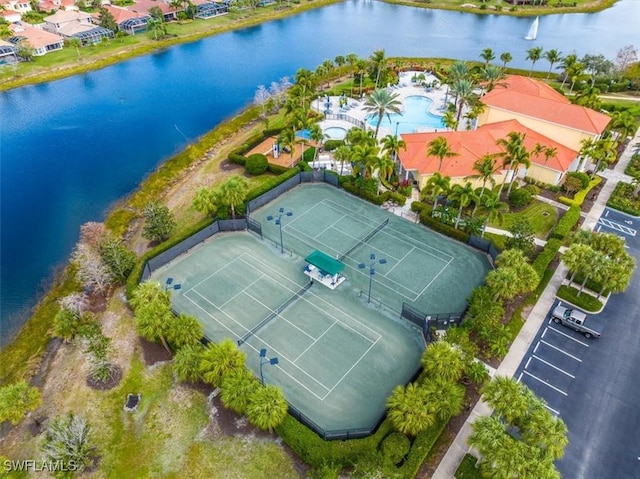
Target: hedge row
point(356, 190)
point(272, 183)
point(547, 254)
point(583, 301)
point(579, 197)
point(421, 447)
point(436, 225)
point(566, 223)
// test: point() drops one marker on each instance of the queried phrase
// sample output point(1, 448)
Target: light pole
point(168, 284)
point(397, 125)
point(265, 360)
point(278, 221)
point(372, 270)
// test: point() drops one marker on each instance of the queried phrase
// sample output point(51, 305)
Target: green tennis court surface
point(339, 357)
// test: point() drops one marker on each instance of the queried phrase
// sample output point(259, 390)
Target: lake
point(69, 149)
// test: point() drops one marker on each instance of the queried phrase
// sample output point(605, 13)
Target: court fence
point(484, 245)
point(427, 322)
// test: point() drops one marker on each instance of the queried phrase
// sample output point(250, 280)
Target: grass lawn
point(541, 216)
point(581, 300)
point(467, 468)
point(521, 10)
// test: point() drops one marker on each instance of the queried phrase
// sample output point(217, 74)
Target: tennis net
point(364, 240)
point(273, 314)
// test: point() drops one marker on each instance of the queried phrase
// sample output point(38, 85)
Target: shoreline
point(122, 53)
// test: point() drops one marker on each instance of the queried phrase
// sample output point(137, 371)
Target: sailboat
point(533, 30)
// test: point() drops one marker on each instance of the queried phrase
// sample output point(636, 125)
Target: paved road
point(594, 385)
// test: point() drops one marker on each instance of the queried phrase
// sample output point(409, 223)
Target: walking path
point(459, 447)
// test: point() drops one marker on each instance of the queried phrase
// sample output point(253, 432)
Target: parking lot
point(552, 363)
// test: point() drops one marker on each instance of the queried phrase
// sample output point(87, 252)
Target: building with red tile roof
point(144, 7)
point(53, 5)
point(470, 146)
point(539, 107)
point(40, 41)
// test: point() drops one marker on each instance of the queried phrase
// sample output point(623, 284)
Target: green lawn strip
point(236, 458)
point(622, 199)
point(20, 359)
point(534, 214)
point(582, 6)
point(467, 468)
point(497, 240)
point(583, 301)
point(156, 438)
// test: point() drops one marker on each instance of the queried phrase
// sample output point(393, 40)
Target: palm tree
point(391, 145)
point(464, 195)
point(378, 64)
point(487, 55)
point(534, 54)
point(364, 157)
point(485, 166)
point(624, 123)
point(593, 267)
point(567, 64)
point(184, 330)
point(503, 283)
point(186, 362)
point(575, 258)
point(553, 56)
point(440, 148)
point(218, 359)
point(588, 97)
point(152, 309)
point(206, 200)
point(465, 94)
point(444, 397)
point(449, 119)
point(357, 136)
point(508, 398)
point(506, 58)
point(316, 135)
point(237, 388)
point(438, 185)
point(157, 27)
point(385, 167)
point(515, 155)
point(342, 154)
point(491, 75)
point(233, 192)
point(287, 139)
point(494, 208)
point(382, 103)
point(408, 411)
point(267, 407)
point(69, 441)
point(442, 360)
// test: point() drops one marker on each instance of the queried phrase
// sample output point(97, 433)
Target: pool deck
point(405, 88)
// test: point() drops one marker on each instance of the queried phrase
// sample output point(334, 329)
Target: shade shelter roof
point(325, 262)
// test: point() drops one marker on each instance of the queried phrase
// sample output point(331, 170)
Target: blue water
point(335, 132)
point(414, 117)
point(69, 149)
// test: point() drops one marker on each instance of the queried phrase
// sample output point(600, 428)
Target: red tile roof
point(536, 99)
point(472, 145)
point(143, 7)
point(121, 14)
point(34, 36)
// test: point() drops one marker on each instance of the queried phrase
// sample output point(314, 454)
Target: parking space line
point(563, 352)
point(552, 365)
point(535, 350)
point(567, 336)
point(545, 383)
point(543, 333)
point(528, 361)
point(557, 413)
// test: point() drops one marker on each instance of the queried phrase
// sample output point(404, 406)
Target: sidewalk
point(459, 447)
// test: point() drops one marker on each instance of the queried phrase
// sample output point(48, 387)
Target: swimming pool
point(415, 117)
point(335, 132)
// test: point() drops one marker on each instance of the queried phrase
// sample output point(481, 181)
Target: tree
point(68, 440)
point(206, 200)
point(624, 123)
point(156, 25)
point(465, 94)
point(378, 67)
point(233, 192)
point(437, 185)
point(491, 75)
point(260, 98)
point(506, 58)
point(219, 359)
point(317, 135)
point(514, 155)
point(118, 258)
point(493, 208)
point(626, 56)
point(382, 103)
point(152, 308)
point(342, 154)
point(440, 148)
point(91, 270)
point(443, 360)
point(521, 237)
point(534, 54)
point(184, 330)
point(75, 43)
point(596, 65)
point(444, 397)
point(267, 407)
point(553, 56)
point(17, 400)
point(502, 282)
point(186, 362)
point(391, 145)
point(107, 20)
point(237, 389)
point(575, 258)
point(287, 139)
point(485, 166)
point(158, 222)
point(364, 156)
point(408, 410)
point(464, 195)
point(92, 233)
point(487, 55)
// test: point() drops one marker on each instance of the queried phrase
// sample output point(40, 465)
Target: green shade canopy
point(325, 262)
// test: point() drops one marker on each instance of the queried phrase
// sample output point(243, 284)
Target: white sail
point(533, 30)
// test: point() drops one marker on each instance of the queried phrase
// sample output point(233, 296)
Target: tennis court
point(339, 357)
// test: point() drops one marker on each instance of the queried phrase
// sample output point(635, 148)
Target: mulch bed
point(226, 165)
point(153, 353)
point(112, 382)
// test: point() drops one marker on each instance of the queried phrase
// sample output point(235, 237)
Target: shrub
point(545, 257)
point(520, 197)
point(418, 206)
point(566, 223)
point(533, 189)
point(236, 158)
point(436, 225)
point(633, 168)
point(583, 177)
point(331, 145)
point(395, 447)
point(579, 197)
point(256, 164)
point(363, 193)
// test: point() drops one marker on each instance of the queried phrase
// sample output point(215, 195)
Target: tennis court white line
point(280, 354)
point(399, 261)
point(240, 292)
point(330, 226)
point(434, 278)
point(340, 207)
point(280, 315)
point(364, 326)
point(213, 274)
point(297, 217)
point(314, 342)
point(350, 369)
